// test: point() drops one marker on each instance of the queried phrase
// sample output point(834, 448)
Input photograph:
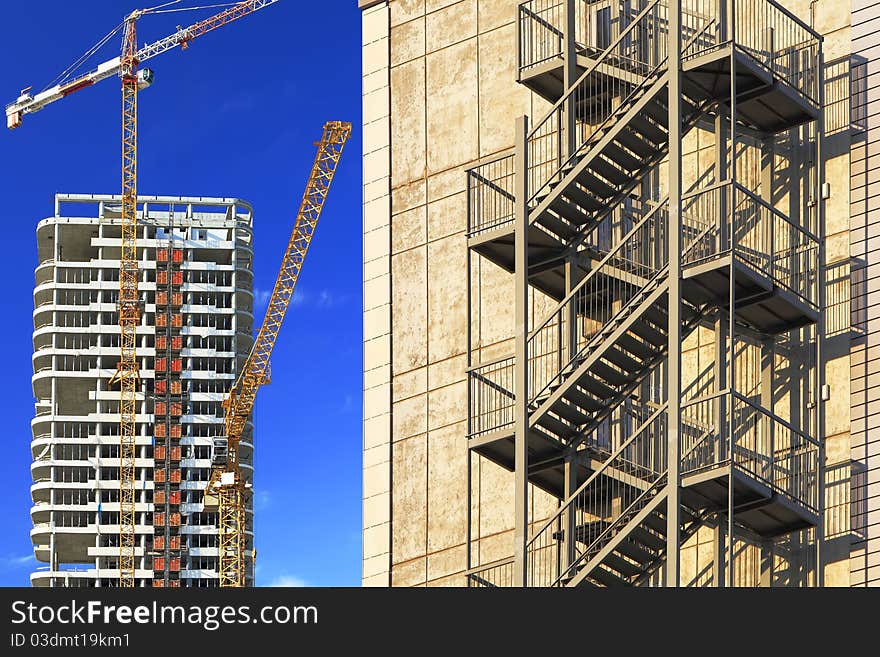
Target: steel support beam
point(820, 327)
point(521, 379)
point(569, 64)
point(673, 495)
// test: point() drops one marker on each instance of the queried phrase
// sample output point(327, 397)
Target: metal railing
point(490, 396)
point(601, 506)
point(560, 341)
point(541, 31)
point(770, 34)
point(490, 194)
point(728, 426)
point(495, 574)
point(606, 88)
point(729, 218)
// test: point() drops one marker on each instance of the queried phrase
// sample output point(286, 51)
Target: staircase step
point(636, 552)
point(581, 400)
point(621, 157)
point(624, 362)
point(570, 413)
point(606, 577)
point(635, 347)
point(657, 316)
point(570, 211)
point(595, 386)
point(646, 538)
point(609, 171)
point(611, 375)
point(554, 425)
point(576, 195)
point(591, 183)
point(637, 144)
point(625, 567)
point(658, 111)
point(656, 522)
point(649, 333)
point(651, 131)
point(556, 226)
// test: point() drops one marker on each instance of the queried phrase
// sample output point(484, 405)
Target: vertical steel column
point(470, 359)
point(731, 301)
point(569, 341)
point(820, 326)
point(768, 354)
point(673, 537)
point(720, 327)
point(521, 379)
point(569, 63)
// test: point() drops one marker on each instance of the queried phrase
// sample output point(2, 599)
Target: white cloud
point(302, 297)
point(17, 562)
point(288, 581)
point(261, 297)
point(262, 499)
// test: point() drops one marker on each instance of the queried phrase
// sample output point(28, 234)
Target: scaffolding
point(628, 252)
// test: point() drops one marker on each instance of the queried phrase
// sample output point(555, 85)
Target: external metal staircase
point(598, 244)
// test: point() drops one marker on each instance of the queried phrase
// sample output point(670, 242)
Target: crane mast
point(226, 480)
point(129, 309)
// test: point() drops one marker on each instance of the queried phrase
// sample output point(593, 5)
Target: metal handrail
point(596, 63)
point(596, 268)
point(648, 77)
point(597, 473)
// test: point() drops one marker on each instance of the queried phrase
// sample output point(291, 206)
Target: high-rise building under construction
point(619, 313)
point(195, 258)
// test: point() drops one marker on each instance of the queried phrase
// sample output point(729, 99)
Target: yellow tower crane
point(127, 375)
point(227, 491)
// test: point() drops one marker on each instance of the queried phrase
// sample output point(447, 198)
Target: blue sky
point(234, 115)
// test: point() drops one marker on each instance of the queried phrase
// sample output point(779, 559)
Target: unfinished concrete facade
point(195, 259)
point(447, 499)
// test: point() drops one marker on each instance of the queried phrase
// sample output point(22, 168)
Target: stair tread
point(623, 159)
point(624, 362)
point(646, 538)
point(581, 198)
point(609, 171)
point(607, 577)
point(582, 400)
point(636, 144)
point(594, 385)
point(554, 425)
point(652, 131)
point(649, 333)
point(635, 347)
point(613, 376)
point(596, 186)
point(556, 226)
point(569, 210)
point(624, 566)
point(636, 552)
point(570, 413)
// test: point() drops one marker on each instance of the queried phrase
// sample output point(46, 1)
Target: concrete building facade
point(445, 503)
point(196, 280)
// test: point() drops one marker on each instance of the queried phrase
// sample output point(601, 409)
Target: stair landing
point(759, 302)
point(756, 505)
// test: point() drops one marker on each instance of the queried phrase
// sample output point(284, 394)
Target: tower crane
point(127, 374)
point(227, 491)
